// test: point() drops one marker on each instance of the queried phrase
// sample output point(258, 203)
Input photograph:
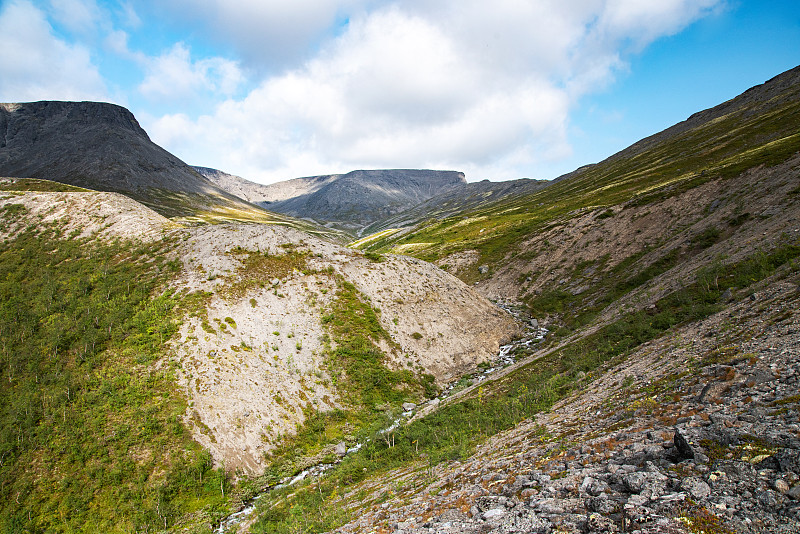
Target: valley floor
point(697, 431)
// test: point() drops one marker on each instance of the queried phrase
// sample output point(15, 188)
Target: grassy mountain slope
point(91, 435)
point(657, 258)
point(149, 371)
point(757, 128)
point(459, 199)
point(346, 201)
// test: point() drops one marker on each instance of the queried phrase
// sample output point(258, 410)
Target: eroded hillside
point(162, 367)
point(256, 359)
point(635, 253)
point(696, 431)
point(663, 399)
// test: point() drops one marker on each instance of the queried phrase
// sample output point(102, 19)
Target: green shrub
point(374, 257)
point(91, 437)
point(451, 432)
point(706, 238)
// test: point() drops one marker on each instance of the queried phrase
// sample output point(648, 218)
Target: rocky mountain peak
point(349, 201)
point(102, 146)
point(80, 115)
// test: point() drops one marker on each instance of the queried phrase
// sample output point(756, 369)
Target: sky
point(271, 90)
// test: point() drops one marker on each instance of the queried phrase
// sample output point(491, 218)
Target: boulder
point(602, 504)
point(635, 482)
point(648, 485)
point(695, 487)
point(599, 523)
point(494, 513)
point(682, 446)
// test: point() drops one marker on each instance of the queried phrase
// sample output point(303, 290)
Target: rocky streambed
point(696, 432)
point(507, 355)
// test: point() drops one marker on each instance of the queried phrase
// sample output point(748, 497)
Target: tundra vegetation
point(744, 136)
point(93, 437)
point(453, 431)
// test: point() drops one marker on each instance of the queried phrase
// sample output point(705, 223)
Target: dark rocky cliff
point(98, 146)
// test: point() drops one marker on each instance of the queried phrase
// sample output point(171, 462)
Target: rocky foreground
point(695, 432)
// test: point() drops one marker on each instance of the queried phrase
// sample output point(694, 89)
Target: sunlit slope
point(466, 197)
point(101, 147)
point(759, 127)
point(203, 211)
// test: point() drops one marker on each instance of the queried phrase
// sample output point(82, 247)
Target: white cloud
point(36, 65)
point(485, 88)
point(268, 32)
point(80, 16)
point(173, 75)
point(117, 42)
point(642, 21)
point(127, 14)
point(395, 90)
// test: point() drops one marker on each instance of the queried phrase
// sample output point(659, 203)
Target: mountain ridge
point(348, 201)
point(101, 146)
point(249, 378)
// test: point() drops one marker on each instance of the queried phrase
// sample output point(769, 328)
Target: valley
point(612, 351)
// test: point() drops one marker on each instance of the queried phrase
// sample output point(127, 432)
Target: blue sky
point(272, 90)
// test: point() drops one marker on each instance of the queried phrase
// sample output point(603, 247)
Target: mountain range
point(348, 201)
point(616, 350)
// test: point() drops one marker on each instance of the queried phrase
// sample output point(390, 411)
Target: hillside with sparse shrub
point(614, 351)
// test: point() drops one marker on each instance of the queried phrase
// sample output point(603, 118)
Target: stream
point(506, 356)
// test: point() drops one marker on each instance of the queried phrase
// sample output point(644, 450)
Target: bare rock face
point(256, 363)
point(97, 146)
point(462, 198)
point(235, 185)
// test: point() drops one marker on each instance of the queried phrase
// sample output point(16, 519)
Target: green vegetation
point(706, 238)
point(452, 431)
point(374, 257)
point(33, 184)
point(579, 310)
point(197, 209)
point(91, 438)
point(9, 212)
point(357, 359)
point(370, 390)
point(606, 214)
point(756, 133)
point(258, 269)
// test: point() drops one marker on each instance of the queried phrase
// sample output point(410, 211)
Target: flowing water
point(506, 356)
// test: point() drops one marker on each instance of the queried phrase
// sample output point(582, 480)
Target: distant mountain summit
point(101, 146)
point(349, 201)
point(236, 185)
